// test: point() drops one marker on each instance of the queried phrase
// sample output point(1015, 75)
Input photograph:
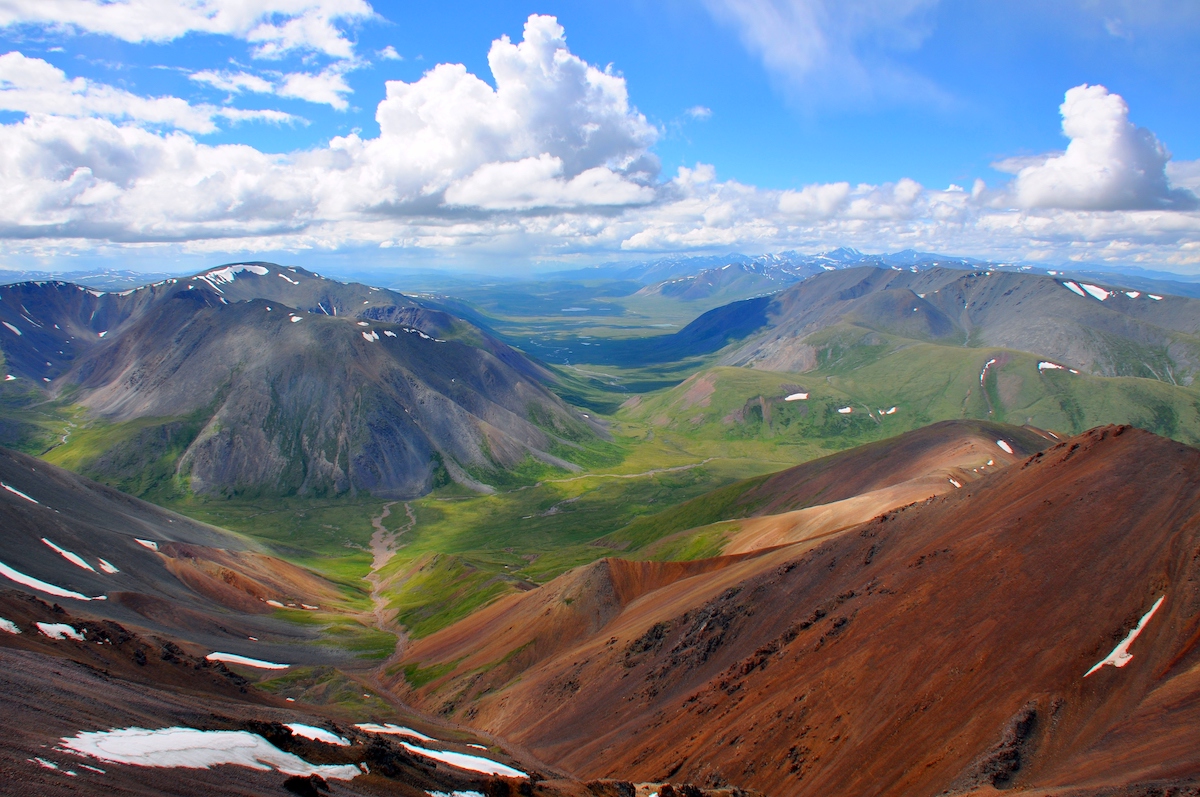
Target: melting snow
point(73, 558)
point(147, 544)
point(394, 730)
point(108, 568)
point(9, 626)
point(955, 483)
point(233, 658)
point(1004, 446)
point(1154, 297)
point(370, 336)
point(193, 749)
point(389, 333)
point(295, 318)
point(892, 411)
point(59, 631)
point(318, 734)
point(102, 334)
point(1097, 292)
point(477, 746)
point(10, 326)
point(1045, 364)
point(986, 366)
point(989, 462)
point(42, 586)
point(363, 324)
point(1121, 655)
point(1133, 294)
point(1074, 288)
point(845, 410)
point(10, 378)
point(471, 763)
point(276, 604)
point(796, 397)
point(289, 279)
point(15, 491)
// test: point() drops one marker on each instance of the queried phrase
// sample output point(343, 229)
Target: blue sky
point(165, 133)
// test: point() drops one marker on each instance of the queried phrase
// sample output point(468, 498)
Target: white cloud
point(835, 51)
point(34, 86)
point(327, 87)
point(548, 160)
point(1109, 165)
point(389, 54)
point(233, 82)
point(699, 112)
point(276, 26)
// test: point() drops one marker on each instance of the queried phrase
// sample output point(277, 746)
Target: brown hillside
point(938, 647)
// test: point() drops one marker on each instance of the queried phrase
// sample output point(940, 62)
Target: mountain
point(955, 645)
point(105, 279)
point(255, 378)
point(139, 650)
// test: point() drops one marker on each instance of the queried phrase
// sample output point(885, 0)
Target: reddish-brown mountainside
point(943, 646)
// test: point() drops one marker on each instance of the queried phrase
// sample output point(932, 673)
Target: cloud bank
point(549, 159)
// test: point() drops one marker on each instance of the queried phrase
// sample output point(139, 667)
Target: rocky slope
point(950, 645)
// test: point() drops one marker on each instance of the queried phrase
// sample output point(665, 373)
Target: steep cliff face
point(257, 378)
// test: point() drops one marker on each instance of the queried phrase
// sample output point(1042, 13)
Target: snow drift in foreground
point(193, 749)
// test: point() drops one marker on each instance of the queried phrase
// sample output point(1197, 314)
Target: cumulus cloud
point(389, 54)
point(835, 50)
point(549, 158)
point(276, 27)
point(34, 86)
point(1109, 165)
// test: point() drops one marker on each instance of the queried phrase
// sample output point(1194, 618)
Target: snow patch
point(1155, 297)
point(955, 483)
point(986, 366)
point(796, 397)
point(108, 568)
point(73, 558)
point(9, 378)
point(289, 279)
point(193, 749)
point(1133, 294)
point(471, 763)
point(892, 411)
point(1121, 655)
point(846, 410)
point(12, 328)
point(17, 492)
point(370, 335)
point(389, 333)
point(8, 626)
point(1004, 446)
point(317, 734)
point(59, 631)
point(228, 274)
point(102, 334)
point(393, 730)
point(363, 324)
point(1097, 292)
point(233, 658)
point(151, 544)
point(1071, 286)
point(1045, 365)
point(42, 586)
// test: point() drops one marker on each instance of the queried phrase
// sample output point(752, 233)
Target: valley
point(793, 526)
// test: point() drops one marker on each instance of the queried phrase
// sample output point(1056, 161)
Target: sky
point(510, 137)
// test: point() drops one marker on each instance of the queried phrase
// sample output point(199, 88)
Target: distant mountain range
point(253, 377)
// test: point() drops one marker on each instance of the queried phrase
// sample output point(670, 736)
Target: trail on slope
point(383, 547)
